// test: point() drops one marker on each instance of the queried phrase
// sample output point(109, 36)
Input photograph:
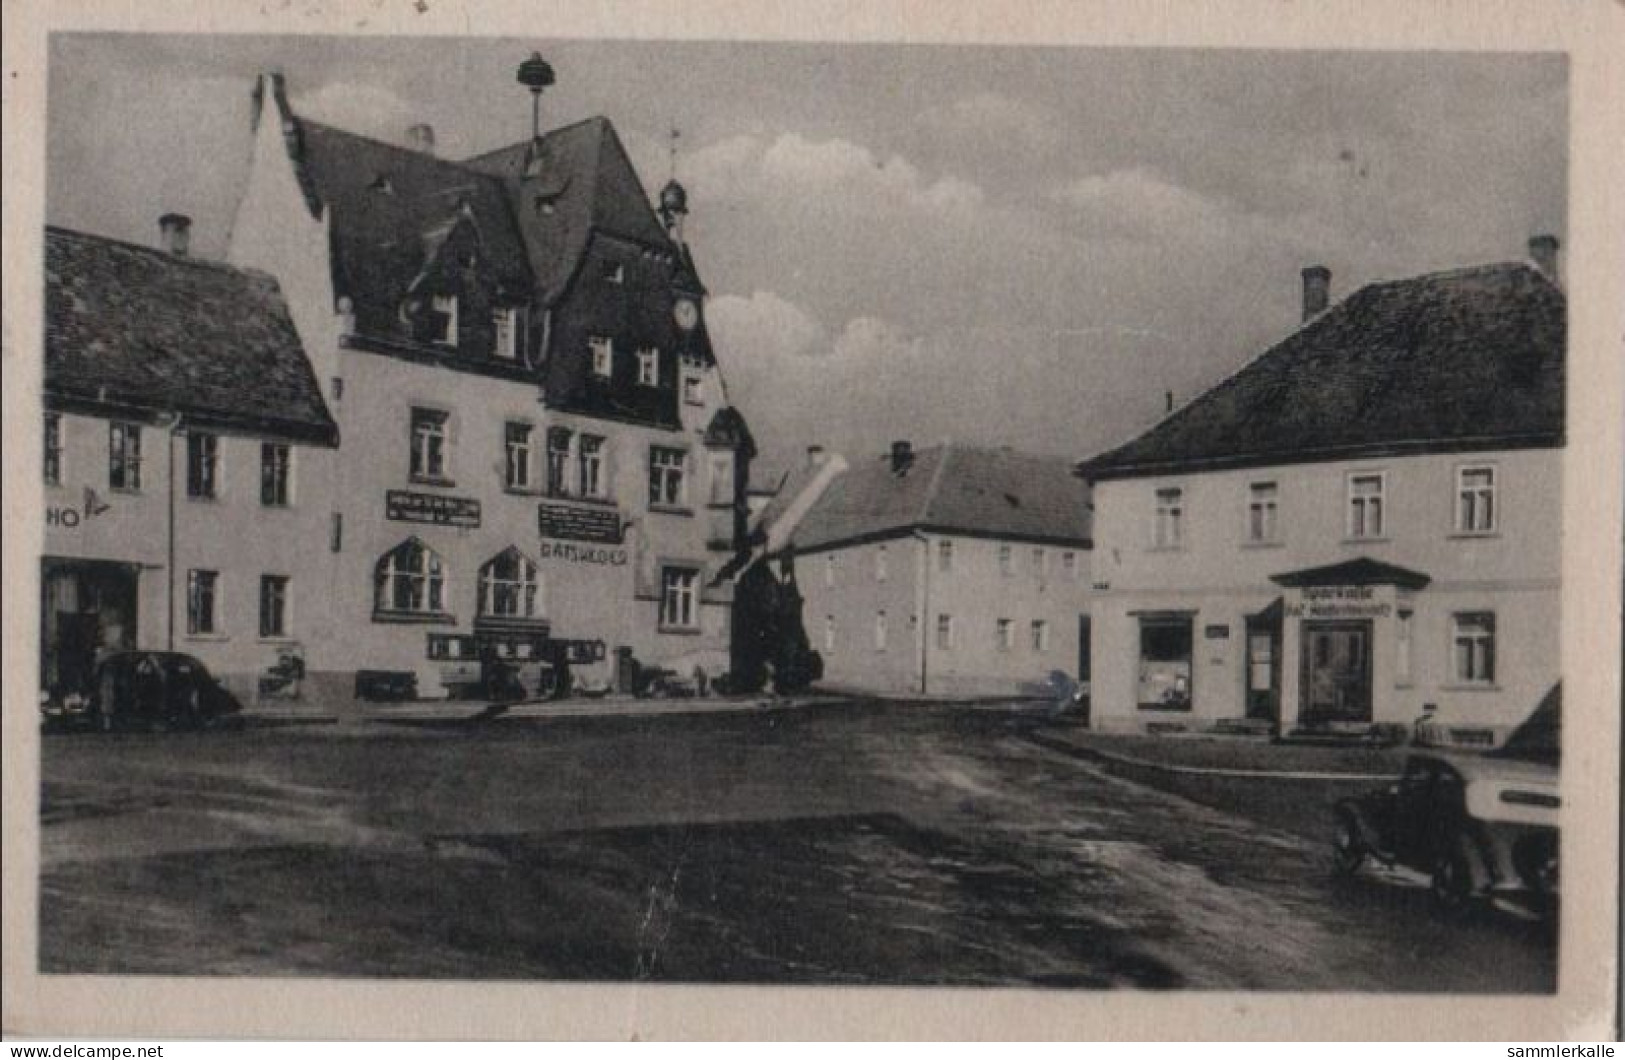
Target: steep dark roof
point(1450, 361)
point(588, 184)
point(390, 209)
point(134, 330)
point(952, 489)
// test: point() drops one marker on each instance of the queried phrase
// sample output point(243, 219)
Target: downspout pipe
point(924, 607)
point(177, 422)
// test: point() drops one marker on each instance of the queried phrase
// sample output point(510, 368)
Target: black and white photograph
point(616, 509)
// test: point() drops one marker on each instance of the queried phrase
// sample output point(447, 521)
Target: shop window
point(505, 325)
point(53, 449)
point(1168, 527)
point(945, 632)
point(1003, 634)
point(202, 465)
point(430, 437)
point(1165, 663)
point(678, 588)
point(1039, 634)
point(880, 631)
point(649, 367)
point(273, 605)
point(666, 467)
point(509, 587)
point(603, 356)
point(1474, 634)
point(124, 456)
point(410, 580)
point(945, 556)
point(1261, 512)
point(276, 472)
point(443, 319)
point(1475, 500)
point(518, 455)
point(1367, 516)
point(202, 602)
point(590, 457)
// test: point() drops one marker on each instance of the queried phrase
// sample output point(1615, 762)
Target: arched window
point(411, 579)
point(509, 586)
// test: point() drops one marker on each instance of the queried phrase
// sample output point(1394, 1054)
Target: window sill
point(522, 491)
point(203, 499)
point(672, 509)
point(1165, 548)
point(281, 639)
point(127, 491)
point(1359, 541)
point(1475, 686)
point(571, 498)
point(1473, 535)
point(209, 638)
point(1263, 544)
point(425, 480)
point(681, 631)
point(415, 618)
point(1165, 708)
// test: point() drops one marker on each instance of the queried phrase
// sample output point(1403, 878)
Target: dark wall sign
point(602, 525)
point(410, 507)
point(1217, 632)
point(603, 557)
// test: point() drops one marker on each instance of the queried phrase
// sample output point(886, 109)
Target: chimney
point(1543, 252)
point(420, 138)
point(1317, 290)
point(902, 456)
point(815, 455)
point(175, 233)
point(1167, 401)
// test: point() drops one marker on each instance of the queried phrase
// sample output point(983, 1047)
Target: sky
point(1015, 246)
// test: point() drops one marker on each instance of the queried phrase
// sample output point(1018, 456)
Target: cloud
point(991, 118)
point(366, 109)
point(1138, 203)
point(748, 165)
point(763, 326)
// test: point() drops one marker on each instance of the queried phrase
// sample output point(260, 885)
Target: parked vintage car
point(151, 689)
point(1484, 827)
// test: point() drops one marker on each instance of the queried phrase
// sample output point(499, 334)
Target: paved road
point(834, 845)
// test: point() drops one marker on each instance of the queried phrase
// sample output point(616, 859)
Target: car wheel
point(1451, 885)
point(1348, 846)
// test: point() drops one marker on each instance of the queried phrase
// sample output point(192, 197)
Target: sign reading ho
point(600, 525)
point(408, 507)
point(68, 517)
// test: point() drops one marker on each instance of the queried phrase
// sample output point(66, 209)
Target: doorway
point(1264, 666)
point(87, 609)
point(1336, 673)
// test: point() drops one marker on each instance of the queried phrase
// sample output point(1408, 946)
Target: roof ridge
point(422, 156)
point(601, 118)
point(160, 254)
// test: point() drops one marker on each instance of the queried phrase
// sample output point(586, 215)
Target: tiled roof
point(586, 182)
point(952, 489)
point(138, 329)
point(1460, 360)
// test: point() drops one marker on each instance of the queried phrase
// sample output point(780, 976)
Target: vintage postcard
point(671, 521)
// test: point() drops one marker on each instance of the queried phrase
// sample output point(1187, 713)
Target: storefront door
point(1264, 667)
point(1336, 684)
point(88, 608)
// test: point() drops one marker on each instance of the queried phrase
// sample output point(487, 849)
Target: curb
point(470, 711)
point(1075, 751)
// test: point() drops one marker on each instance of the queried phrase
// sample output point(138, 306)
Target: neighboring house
point(539, 460)
point(1360, 527)
point(186, 459)
point(948, 570)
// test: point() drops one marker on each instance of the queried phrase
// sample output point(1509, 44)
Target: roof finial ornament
point(536, 75)
point(674, 197)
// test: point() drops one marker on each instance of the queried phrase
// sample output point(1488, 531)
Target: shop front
point(88, 609)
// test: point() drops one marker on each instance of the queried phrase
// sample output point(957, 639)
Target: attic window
point(546, 205)
point(614, 272)
point(443, 319)
point(382, 185)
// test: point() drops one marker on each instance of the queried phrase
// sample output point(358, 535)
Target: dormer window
point(382, 185)
point(506, 325)
point(615, 272)
point(546, 205)
point(649, 367)
point(603, 356)
point(691, 390)
point(443, 310)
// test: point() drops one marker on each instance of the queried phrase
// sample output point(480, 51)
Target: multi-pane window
point(945, 632)
point(945, 556)
point(1262, 502)
point(517, 455)
point(429, 438)
point(649, 367)
point(276, 469)
point(677, 591)
point(880, 564)
point(691, 390)
point(590, 457)
point(410, 579)
point(509, 587)
point(273, 605)
point(505, 324)
point(53, 449)
point(1004, 634)
point(559, 440)
point(1475, 500)
point(1474, 636)
point(1040, 562)
point(1039, 634)
point(1006, 565)
point(1366, 515)
point(722, 478)
point(880, 631)
point(603, 356)
point(1069, 564)
point(202, 601)
point(124, 456)
point(202, 464)
point(443, 316)
point(1168, 528)
point(666, 475)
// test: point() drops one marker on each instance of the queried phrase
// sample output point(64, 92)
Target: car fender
point(1356, 811)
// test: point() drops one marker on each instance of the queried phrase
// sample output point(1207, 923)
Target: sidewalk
point(353, 711)
point(1230, 757)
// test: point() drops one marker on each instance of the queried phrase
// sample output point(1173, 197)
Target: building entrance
point(87, 609)
point(1336, 685)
